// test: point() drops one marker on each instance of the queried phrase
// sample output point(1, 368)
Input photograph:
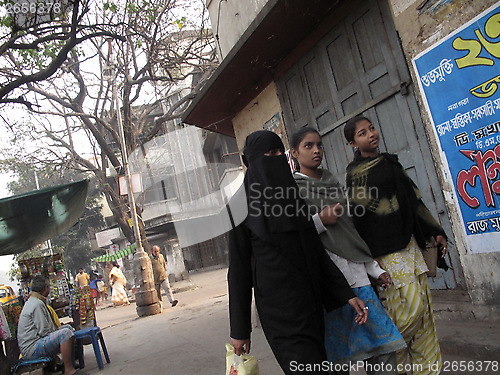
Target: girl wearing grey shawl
point(377, 341)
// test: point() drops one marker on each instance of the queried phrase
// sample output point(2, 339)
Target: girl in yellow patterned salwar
point(391, 218)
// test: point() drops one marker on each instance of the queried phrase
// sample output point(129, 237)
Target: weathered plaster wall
point(256, 113)
point(235, 17)
point(176, 270)
point(418, 30)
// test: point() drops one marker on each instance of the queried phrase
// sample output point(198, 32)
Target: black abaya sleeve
point(239, 280)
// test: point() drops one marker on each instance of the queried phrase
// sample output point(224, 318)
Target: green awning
point(118, 255)
point(27, 220)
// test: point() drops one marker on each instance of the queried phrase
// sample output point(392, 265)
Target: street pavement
point(186, 339)
point(189, 338)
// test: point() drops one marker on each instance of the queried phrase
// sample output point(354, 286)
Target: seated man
point(36, 334)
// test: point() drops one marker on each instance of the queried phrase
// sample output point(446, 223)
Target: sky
point(5, 262)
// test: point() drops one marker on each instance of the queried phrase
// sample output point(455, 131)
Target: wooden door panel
point(358, 68)
point(351, 103)
point(296, 97)
point(379, 85)
point(325, 119)
point(317, 92)
point(337, 153)
point(391, 126)
point(376, 74)
point(320, 100)
point(340, 56)
point(366, 31)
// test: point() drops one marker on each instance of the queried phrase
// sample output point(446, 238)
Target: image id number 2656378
point(33, 7)
point(471, 366)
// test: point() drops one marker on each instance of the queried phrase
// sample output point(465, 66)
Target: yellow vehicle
point(7, 295)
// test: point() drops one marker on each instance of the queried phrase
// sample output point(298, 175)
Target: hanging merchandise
point(82, 309)
point(12, 313)
point(52, 267)
point(4, 327)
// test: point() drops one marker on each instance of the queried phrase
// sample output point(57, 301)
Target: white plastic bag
point(240, 365)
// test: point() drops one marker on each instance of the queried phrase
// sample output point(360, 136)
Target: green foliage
point(109, 5)
point(38, 58)
point(180, 22)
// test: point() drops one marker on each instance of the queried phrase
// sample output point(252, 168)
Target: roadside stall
point(27, 220)
point(52, 267)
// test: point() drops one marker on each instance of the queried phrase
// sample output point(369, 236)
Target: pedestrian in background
point(118, 281)
point(95, 283)
point(394, 222)
point(82, 279)
point(160, 275)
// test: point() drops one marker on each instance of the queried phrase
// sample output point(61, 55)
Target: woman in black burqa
point(277, 251)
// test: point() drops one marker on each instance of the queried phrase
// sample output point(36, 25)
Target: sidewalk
point(465, 329)
point(186, 339)
point(189, 338)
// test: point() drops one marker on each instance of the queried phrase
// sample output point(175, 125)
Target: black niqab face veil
point(274, 205)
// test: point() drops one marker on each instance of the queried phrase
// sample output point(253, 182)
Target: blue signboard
point(460, 80)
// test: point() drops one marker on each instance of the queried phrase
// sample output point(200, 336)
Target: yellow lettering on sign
point(492, 30)
point(486, 89)
point(472, 58)
point(474, 47)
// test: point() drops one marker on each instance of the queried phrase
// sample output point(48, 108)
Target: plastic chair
point(94, 333)
point(17, 365)
point(32, 364)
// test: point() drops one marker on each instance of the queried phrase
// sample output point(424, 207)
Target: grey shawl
point(341, 238)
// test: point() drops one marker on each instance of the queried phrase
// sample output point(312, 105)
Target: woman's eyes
point(308, 145)
point(274, 152)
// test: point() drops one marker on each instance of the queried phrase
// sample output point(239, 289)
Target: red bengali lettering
point(485, 172)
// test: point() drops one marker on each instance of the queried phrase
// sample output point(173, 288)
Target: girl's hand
point(361, 310)
point(329, 215)
point(440, 240)
point(384, 280)
point(240, 346)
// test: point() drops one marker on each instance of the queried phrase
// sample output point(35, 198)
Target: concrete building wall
point(256, 114)
point(235, 17)
point(418, 30)
point(176, 269)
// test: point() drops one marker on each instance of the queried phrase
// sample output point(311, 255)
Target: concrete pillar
point(146, 297)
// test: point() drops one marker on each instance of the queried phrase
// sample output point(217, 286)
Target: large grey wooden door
point(359, 68)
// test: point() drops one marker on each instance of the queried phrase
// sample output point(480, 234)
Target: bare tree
point(36, 38)
point(161, 52)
